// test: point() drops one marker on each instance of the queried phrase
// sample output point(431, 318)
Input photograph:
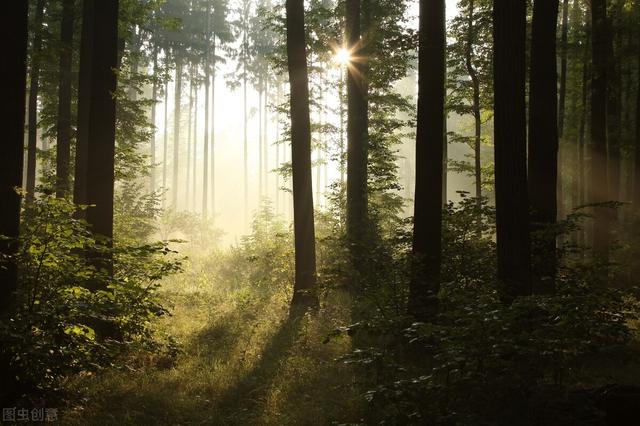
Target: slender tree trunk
point(512, 205)
point(189, 140)
point(543, 143)
point(63, 125)
point(304, 294)
point(265, 142)
point(260, 147)
point(614, 107)
point(177, 112)
point(154, 94)
point(165, 142)
point(277, 148)
point(599, 182)
point(342, 125)
point(207, 81)
point(357, 137)
point(244, 111)
point(34, 83)
point(195, 149)
point(562, 104)
point(636, 186)
point(97, 118)
point(427, 222)
point(213, 129)
point(586, 71)
point(475, 107)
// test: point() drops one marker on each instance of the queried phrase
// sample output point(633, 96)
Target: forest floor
point(240, 362)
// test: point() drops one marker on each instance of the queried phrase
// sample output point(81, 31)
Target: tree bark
point(154, 94)
point(599, 182)
point(205, 166)
point(512, 205)
point(97, 118)
point(189, 140)
point(636, 186)
point(304, 291)
point(543, 143)
point(563, 67)
point(475, 106)
point(427, 219)
point(63, 142)
point(213, 127)
point(34, 86)
point(13, 78)
point(357, 137)
point(177, 112)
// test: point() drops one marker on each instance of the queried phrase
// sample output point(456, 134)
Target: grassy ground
point(242, 362)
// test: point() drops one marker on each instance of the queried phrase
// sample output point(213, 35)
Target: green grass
point(242, 362)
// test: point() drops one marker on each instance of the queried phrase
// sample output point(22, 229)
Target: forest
point(320, 212)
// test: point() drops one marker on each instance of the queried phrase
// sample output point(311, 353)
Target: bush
point(51, 329)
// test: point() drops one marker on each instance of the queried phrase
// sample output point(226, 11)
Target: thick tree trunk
point(177, 112)
point(97, 117)
point(512, 205)
point(13, 78)
point(543, 143)
point(13, 81)
point(34, 86)
point(304, 291)
point(357, 137)
point(63, 142)
point(599, 182)
point(427, 232)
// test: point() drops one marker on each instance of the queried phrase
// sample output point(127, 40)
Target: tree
point(427, 219)
point(34, 81)
point(13, 79)
point(599, 182)
point(543, 142)
point(176, 128)
point(304, 291)
point(63, 143)
point(512, 215)
point(469, 82)
point(94, 183)
point(357, 133)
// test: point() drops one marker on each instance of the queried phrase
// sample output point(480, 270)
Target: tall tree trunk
point(97, 118)
point(195, 148)
point(154, 94)
point(562, 105)
point(614, 107)
point(165, 141)
point(636, 186)
point(207, 81)
point(579, 180)
point(304, 291)
point(213, 128)
point(245, 50)
point(510, 137)
point(427, 222)
point(13, 80)
point(265, 142)
point(260, 147)
point(357, 136)
point(599, 183)
point(189, 140)
point(342, 125)
point(63, 142)
point(543, 143)
point(34, 85)
point(177, 111)
point(475, 107)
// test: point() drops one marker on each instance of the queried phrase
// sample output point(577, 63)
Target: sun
point(342, 56)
